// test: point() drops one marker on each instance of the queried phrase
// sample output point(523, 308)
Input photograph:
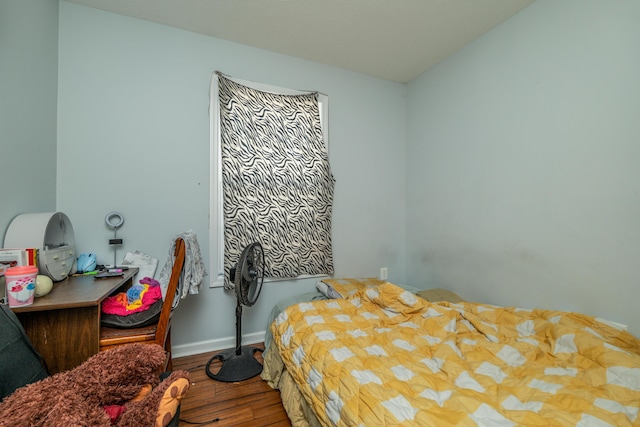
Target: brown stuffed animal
point(117, 387)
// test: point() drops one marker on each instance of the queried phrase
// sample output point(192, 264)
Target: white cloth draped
point(193, 271)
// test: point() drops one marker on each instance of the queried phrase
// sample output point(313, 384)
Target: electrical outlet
point(384, 273)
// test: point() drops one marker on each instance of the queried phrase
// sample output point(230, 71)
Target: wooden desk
point(64, 325)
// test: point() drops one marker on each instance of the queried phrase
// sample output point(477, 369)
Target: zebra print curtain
point(276, 181)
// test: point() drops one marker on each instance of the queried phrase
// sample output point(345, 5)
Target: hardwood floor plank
point(250, 403)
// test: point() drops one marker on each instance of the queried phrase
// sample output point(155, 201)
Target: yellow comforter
point(384, 357)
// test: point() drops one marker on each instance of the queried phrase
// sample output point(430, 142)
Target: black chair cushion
point(134, 320)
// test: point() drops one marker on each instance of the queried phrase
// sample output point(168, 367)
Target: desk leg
point(65, 338)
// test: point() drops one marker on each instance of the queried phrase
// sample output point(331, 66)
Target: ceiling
point(395, 40)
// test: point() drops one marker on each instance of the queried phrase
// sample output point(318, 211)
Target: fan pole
point(238, 328)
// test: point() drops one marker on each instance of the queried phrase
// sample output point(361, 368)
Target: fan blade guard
point(249, 274)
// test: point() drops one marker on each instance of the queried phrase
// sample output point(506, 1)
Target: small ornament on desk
point(44, 284)
point(86, 263)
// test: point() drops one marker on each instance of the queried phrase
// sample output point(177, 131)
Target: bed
point(380, 354)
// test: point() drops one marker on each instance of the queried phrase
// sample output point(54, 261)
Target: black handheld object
point(108, 274)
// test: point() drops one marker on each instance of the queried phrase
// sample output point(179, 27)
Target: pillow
point(435, 295)
point(326, 291)
point(343, 288)
point(133, 320)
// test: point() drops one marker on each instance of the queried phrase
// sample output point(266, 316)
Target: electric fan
point(240, 364)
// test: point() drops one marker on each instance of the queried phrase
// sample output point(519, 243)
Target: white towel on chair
point(193, 271)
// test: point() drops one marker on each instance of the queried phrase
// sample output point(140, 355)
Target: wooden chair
point(159, 333)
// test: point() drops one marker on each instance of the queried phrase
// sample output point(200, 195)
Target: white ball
point(44, 284)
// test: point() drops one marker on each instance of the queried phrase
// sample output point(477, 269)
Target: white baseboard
point(214, 345)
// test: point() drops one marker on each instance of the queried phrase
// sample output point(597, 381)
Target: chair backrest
point(165, 315)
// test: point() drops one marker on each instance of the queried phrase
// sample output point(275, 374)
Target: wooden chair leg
point(167, 347)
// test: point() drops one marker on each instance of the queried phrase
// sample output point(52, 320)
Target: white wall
point(28, 96)
point(134, 137)
point(523, 186)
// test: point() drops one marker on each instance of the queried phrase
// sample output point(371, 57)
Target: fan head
point(249, 273)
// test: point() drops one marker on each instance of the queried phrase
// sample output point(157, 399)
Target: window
point(217, 192)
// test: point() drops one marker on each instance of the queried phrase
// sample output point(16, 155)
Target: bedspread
point(386, 357)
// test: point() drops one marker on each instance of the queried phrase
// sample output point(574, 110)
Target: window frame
point(216, 214)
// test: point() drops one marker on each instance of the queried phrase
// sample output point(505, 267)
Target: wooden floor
point(247, 403)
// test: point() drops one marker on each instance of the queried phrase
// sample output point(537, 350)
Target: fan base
point(236, 367)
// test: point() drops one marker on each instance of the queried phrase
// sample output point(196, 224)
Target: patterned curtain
point(276, 181)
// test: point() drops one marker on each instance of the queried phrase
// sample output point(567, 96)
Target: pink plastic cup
point(21, 285)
